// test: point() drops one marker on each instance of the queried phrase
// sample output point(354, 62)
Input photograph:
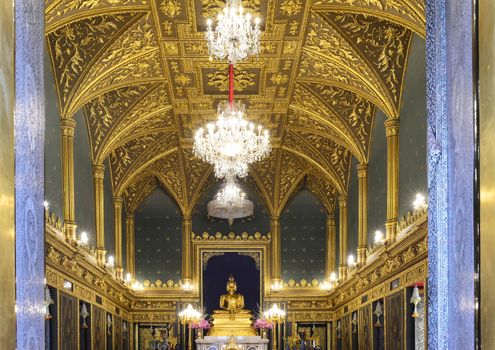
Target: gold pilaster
point(392, 132)
point(362, 170)
point(7, 176)
point(343, 237)
point(117, 206)
point(67, 128)
point(186, 250)
point(98, 175)
point(276, 249)
point(130, 240)
point(330, 256)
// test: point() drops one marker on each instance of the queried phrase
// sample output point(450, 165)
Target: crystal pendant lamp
point(234, 36)
point(230, 203)
point(231, 144)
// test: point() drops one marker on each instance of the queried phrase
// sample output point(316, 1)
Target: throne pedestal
point(221, 342)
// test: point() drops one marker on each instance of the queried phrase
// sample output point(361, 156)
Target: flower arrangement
point(262, 323)
point(203, 324)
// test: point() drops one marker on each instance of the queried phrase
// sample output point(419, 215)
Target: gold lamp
point(186, 317)
point(277, 316)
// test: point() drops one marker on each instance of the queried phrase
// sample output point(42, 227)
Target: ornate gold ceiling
point(140, 71)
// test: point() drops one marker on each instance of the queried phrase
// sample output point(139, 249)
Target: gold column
point(392, 132)
point(117, 206)
point(330, 261)
point(362, 170)
point(186, 250)
point(276, 249)
point(98, 175)
point(343, 237)
point(130, 240)
point(487, 169)
point(68, 126)
point(7, 179)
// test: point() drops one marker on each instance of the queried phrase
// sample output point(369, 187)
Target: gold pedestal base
point(224, 325)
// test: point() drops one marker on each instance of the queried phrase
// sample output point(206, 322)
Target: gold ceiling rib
point(140, 70)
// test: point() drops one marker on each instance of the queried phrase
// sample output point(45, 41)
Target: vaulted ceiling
point(140, 70)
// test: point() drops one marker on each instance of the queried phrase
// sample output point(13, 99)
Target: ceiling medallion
point(234, 37)
point(231, 144)
point(230, 203)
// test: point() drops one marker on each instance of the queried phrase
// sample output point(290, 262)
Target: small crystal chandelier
point(234, 37)
point(231, 144)
point(230, 203)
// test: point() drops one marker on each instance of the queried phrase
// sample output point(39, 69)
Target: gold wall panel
point(487, 168)
point(7, 233)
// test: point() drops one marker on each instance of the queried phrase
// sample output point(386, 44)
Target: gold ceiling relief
point(242, 80)
point(60, 13)
point(407, 13)
point(73, 47)
point(121, 120)
point(323, 190)
point(386, 45)
point(127, 161)
point(327, 41)
point(137, 192)
point(142, 73)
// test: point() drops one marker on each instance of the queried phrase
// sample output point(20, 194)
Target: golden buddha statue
point(232, 319)
point(232, 302)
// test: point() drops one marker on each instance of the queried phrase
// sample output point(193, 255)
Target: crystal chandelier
point(230, 203)
point(231, 144)
point(234, 37)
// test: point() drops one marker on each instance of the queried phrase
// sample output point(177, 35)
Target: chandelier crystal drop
point(230, 203)
point(231, 144)
point(234, 37)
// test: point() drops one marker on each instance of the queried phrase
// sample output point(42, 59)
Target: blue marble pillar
point(29, 122)
point(450, 174)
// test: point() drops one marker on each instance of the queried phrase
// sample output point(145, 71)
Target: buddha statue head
point(231, 285)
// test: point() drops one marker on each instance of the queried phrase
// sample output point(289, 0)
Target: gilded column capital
point(117, 201)
point(331, 219)
point(362, 170)
point(391, 127)
point(342, 201)
point(68, 126)
point(98, 171)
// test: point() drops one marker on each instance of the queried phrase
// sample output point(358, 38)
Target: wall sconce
point(419, 202)
point(84, 238)
point(67, 285)
point(378, 237)
point(187, 287)
point(333, 277)
point(111, 261)
point(46, 204)
point(128, 278)
point(351, 261)
point(277, 285)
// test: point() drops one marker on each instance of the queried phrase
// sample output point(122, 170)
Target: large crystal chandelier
point(230, 203)
point(231, 144)
point(234, 37)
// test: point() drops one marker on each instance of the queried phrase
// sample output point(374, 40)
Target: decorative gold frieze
point(231, 237)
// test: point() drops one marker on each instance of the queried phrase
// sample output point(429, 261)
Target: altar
point(241, 342)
